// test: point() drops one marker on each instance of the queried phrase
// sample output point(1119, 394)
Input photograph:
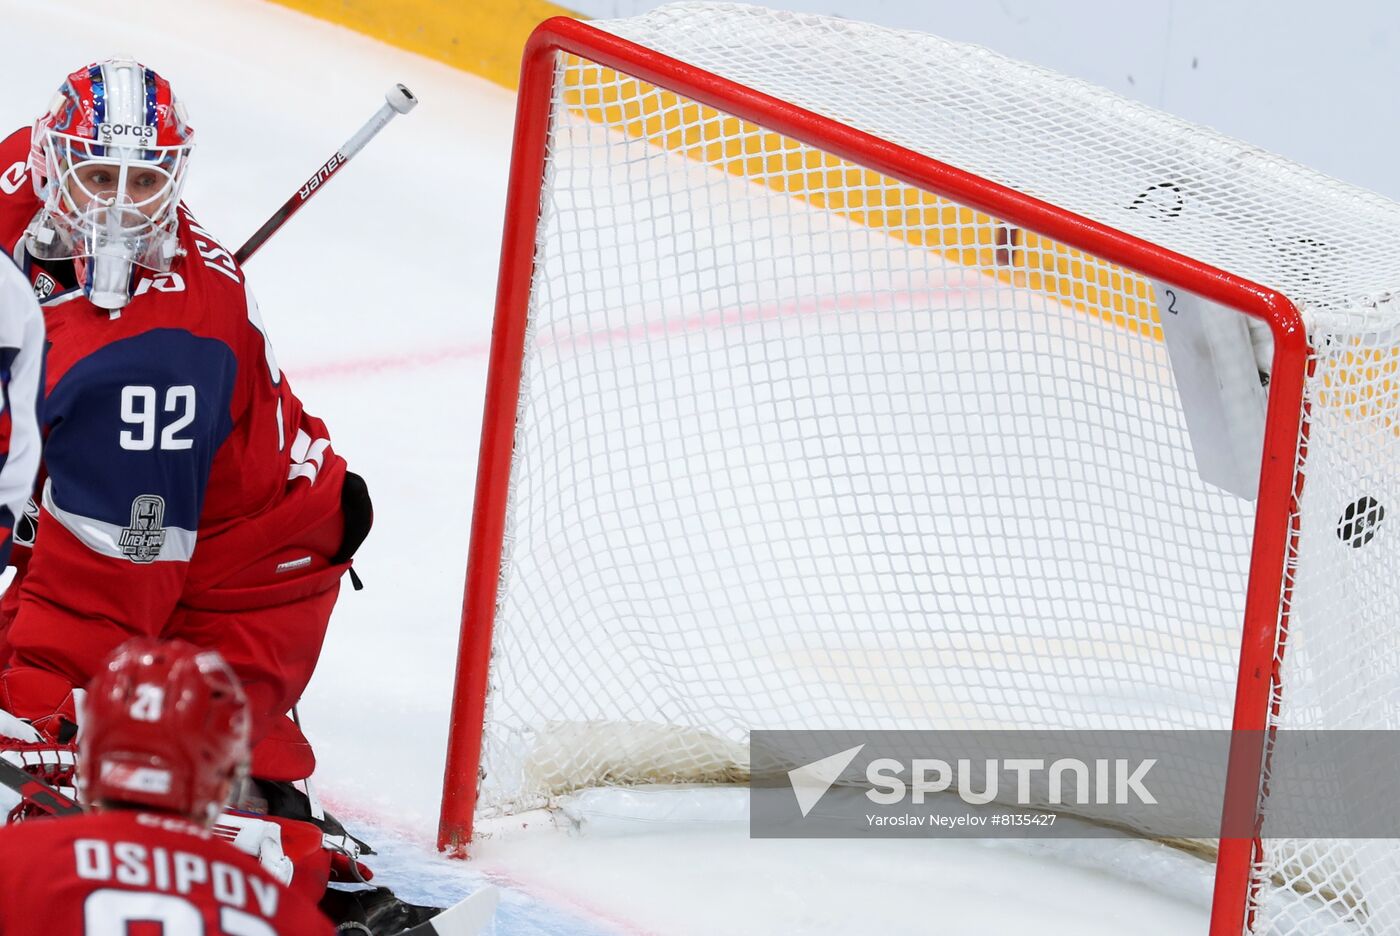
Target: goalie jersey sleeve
point(21, 392)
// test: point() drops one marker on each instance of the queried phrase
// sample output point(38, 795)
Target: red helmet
point(164, 725)
point(108, 161)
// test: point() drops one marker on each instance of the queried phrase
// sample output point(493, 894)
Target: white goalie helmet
point(108, 160)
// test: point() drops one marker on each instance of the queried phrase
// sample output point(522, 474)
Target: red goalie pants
point(273, 650)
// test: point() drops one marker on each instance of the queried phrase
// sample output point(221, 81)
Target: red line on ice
point(882, 301)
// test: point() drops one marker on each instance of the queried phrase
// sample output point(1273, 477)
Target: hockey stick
point(399, 100)
point(36, 791)
point(465, 918)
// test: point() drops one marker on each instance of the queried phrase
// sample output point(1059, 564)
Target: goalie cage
point(828, 390)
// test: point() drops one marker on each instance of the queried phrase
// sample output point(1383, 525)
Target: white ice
point(379, 299)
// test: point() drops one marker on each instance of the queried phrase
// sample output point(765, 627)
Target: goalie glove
point(24, 746)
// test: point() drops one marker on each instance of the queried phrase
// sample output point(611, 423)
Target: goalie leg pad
point(273, 648)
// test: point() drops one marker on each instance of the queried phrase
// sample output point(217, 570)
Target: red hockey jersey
point(180, 471)
point(130, 872)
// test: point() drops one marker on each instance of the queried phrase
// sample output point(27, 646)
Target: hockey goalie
point(184, 492)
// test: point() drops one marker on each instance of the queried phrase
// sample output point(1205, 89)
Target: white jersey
point(21, 381)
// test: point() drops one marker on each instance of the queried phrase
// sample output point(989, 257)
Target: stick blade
point(469, 917)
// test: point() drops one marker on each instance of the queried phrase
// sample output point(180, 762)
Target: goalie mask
point(164, 726)
point(108, 160)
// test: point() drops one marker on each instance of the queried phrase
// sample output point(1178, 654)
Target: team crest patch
point(44, 286)
point(142, 541)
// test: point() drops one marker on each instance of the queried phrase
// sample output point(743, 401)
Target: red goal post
point(1274, 533)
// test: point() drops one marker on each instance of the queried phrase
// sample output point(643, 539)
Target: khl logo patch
point(142, 541)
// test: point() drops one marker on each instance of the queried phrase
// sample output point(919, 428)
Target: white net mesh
point(801, 447)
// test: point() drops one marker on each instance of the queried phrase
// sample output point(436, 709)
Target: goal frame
point(1276, 520)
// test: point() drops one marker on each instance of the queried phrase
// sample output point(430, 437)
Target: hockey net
point(798, 440)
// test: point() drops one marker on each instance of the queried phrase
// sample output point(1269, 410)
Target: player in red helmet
point(166, 727)
point(165, 737)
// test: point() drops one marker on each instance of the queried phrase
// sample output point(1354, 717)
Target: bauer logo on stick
point(322, 174)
